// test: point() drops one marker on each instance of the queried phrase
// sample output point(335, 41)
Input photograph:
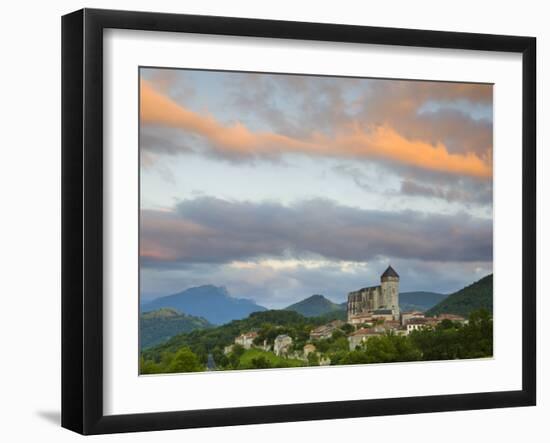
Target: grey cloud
point(320, 106)
point(420, 183)
point(463, 191)
point(211, 230)
point(163, 140)
point(311, 103)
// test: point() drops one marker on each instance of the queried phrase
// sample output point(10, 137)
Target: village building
point(384, 297)
point(325, 331)
point(360, 319)
point(246, 340)
point(308, 349)
point(389, 325)
point(228, 349)
point(282, 344)
point(406, 316)
point(452, 317)
point(416, 324)
point(383, 314)
point(360, 336)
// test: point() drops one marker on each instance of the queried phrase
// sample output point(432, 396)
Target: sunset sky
point(283, 186)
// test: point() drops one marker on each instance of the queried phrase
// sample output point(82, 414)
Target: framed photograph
point(268, 221)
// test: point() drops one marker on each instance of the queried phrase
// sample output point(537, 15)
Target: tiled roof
point(364, 331)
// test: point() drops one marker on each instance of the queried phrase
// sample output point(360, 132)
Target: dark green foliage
point(347, 328)
point(391, 348)
point(453, 341)
point(314, 306)
point(158, 326)
point(184, 360)
point(313, 359)
point(261, 363)
point(478, 295)
point(258, 359)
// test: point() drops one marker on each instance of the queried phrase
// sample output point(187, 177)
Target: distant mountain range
point(477, 295)
point(210, 302)
point(215, 306)
point(206, 306)
point(158, 326)
point(318, 305)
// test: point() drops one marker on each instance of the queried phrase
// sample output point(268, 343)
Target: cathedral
point(382, 300)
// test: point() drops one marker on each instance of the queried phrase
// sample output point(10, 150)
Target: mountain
point(477, 295)
point(315, 306)
point(158, 326)
point(210, 302)
point(419, 300)
point(318, 305)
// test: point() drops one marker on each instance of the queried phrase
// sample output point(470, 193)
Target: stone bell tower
point(390, 291)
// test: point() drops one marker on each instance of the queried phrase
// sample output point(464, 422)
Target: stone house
point(389, 325)
point(416, 324)
point(308, 349)
point(358, 337)
point(406, 316)
point(359, 319)
point(325, 331)
point(246, 340)
point(282, 344)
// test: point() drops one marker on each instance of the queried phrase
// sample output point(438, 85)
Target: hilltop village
point(369, 328)
point(371, 312)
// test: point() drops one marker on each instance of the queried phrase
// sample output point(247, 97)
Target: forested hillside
point(478, 295)
point(158, 326)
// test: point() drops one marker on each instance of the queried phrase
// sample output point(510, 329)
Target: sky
point(281, 186)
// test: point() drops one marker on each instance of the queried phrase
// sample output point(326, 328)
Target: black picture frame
point(82, 219)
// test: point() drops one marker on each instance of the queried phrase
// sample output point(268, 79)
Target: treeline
point(189, 352)
point(447, 341)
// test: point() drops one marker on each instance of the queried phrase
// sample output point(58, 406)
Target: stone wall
point(366, 299)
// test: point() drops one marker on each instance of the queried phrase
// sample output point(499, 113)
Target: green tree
point(184, 360)
point(260, 363)
point(148, 366)
point(347, 328)
point(446, 324)
point(313, 359)
point(390, 348)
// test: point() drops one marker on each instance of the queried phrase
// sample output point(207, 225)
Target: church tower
point(390, 291)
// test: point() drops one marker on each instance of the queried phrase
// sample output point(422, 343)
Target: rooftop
point(390, 272)
point(382, 312)
point(364, 331)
